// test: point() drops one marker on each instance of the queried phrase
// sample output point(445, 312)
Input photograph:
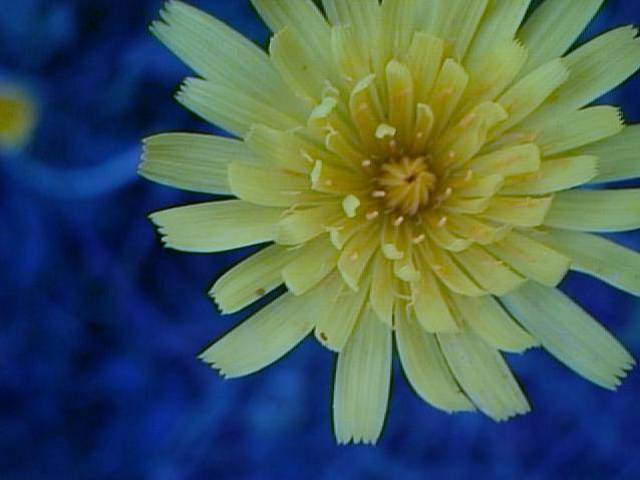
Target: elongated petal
point(596, 210)
point(570, 334)
point(231, 109)
point(425, 367)
point(251, 279)
point(559, 133)
point(220, 54)
point(499, 26)
point(518, 211)
point(270, 187)
point(493, 275)
point(312, 263)
point(382, 295)
point(618, 156)
point(599, 257)
point(301, 226)
point(596, 68)
point(508, 161)
point(424, 59)
point(531, 258)
point(192, 162)
point(363, 377)
point(339, 311)
point(356, 255)
point(263, 338)
point(553, 27)
point(529, 93)
point(555, 175)
point(430, 306)
point(483, 374)
point(216, 226)
point(487, 318)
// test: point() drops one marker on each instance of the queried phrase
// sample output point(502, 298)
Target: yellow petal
point(363, 377)
point(426, 369)
point(596, 68)
point(570, 334)
point(517, 211)
point(475, 230)
point(300, 226)
point(337, 311)
point(486, 317)
point(251, 279)
point(222, 55)
point(401, 98)
point(191, 161)
point(443, 237)
point(557, 133)
point(263, 338)
point(430, 306)
point(528, 94)
point(216, 226)
point(382, 296)
point(555, 175)
point(553, 27)
point(356, 255)
point(617, 155)
point(450, 85)
point(599, 257)
point(270, 187)
point(508, 161)
point(231, 109)
point(483, 374)
point(531, 258)
point(596, 210)
point(489, 273)
point(424, 58)
point(312, 263)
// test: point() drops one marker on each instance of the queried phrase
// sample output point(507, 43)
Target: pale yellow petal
point(221, 55)
point(597, 256)
point(263, 338)
point(216, 226)
point(337, 311)
point(363, 377)
point(596, 68)
point(596, 210)
point(515, 160)
point(251, 279)
point(559, 132)
point(483, 375)
point(555, 175)
point(312, 263)
point(271, 187)
point(231, 109)
point(424, 59)
point(191, 161)
point(430, 307)
point(489, 273)
point(357, 254)
point(570, 334)
point(382, 295)
point(302, 225)
point(553, 27)
point(425, 367)
point(518, 211)
point(531, 258)
point(450, 85)
point(618, 156)
point(486, 317)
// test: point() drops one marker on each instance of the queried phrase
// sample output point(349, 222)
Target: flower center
point(407, 184)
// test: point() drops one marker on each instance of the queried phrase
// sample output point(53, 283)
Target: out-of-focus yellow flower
point(414, 166)
point(18, 115)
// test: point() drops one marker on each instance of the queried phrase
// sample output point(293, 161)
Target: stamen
point(442, 222)
point(398, 221)
point(372, 215)
point(419, 239)
point(379, 194)
point(366, 163)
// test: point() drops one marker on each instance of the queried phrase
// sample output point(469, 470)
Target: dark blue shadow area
point(100, 326)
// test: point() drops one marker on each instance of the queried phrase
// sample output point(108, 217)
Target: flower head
point(413, 166)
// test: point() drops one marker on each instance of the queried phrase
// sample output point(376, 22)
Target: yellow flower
point(18, 115)
point(413, 166)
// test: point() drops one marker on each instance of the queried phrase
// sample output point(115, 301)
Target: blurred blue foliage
point(99, 326)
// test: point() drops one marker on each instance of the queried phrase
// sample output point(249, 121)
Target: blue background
point(99, 326)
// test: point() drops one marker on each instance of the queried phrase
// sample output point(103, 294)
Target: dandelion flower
point(17, 117)
point(413, 167)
